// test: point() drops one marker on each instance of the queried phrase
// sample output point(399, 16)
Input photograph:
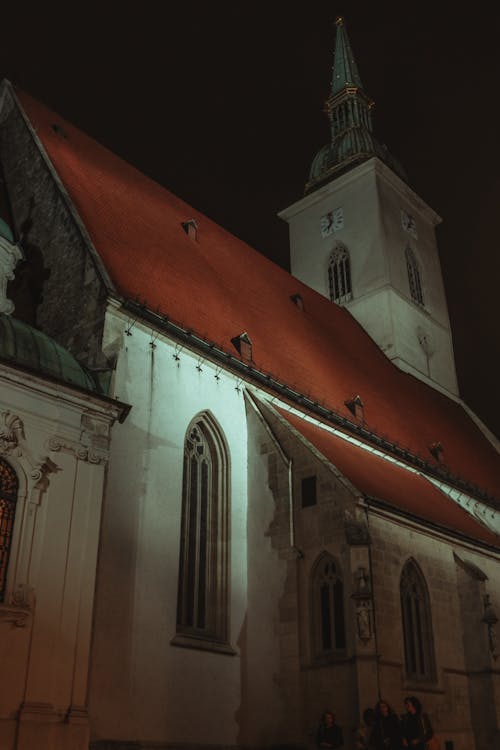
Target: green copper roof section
point(6, 231)
point(24, 346)
point(349, 111)
point(345, 70)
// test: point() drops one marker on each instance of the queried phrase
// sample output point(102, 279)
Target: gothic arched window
point(414, 279)
point(203, 564)
point(8, 498)
point(417, 624)
point(339, 275)
point(327, 607)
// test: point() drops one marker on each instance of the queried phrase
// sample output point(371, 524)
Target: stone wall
point(59, 288)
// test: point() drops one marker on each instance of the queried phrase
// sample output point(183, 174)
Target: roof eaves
point(431, 525)
point(268, 382)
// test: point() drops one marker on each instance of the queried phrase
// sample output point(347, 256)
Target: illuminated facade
point(295, 513)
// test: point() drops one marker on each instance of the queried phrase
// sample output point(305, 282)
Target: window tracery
point(8, 499)
point(339, 275)
point(414, 279)
point(417, 624)
point(327, 608)
point(202, 587)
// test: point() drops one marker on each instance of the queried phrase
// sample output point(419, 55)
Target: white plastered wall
point(142, 685)
point(48, 437)
point(372, 198)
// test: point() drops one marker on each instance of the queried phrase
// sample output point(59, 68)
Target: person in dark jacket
point(387, 733)
point(329, 733)
point(417, 727)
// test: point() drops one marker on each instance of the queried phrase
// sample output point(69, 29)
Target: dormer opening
point(297, 300)
point(59, 130)
point(356, 407)
point(437, 450)
point(243, 346)
point(191, 228)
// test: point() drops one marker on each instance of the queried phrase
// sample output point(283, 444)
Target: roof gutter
point(270, 383)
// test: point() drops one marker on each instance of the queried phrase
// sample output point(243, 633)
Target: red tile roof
point(219, 287)
point(380, 479)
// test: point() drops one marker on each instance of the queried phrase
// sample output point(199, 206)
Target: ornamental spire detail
point(349, 111)
point(345, 70)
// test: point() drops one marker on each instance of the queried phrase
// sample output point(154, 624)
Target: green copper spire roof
point(349, 111)
point(345, 70)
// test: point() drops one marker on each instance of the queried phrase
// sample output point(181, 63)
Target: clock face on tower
point(409, 224)
point(332, 222)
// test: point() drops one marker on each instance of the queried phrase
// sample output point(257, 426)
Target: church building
point(232, 497)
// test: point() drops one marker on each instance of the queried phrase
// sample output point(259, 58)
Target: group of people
point(382, 728)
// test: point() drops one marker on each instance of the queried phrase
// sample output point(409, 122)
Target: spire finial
point(345, 70)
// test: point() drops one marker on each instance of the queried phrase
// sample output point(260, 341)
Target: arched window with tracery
point(339, 275)
point(8, 497)
point(203, 565)
point(417, 624)
point(414, 279)
point(328, 623)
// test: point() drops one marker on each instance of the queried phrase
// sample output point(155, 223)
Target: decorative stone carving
point(40, 472)
point(93, 445)
point(490, 619)
point(95, 437)
point(10, 255)
point(356, 530)
point(11, 432)
point(364, 620)
point(13, 442)
point(362, 588)
point(425, 342)
point(362, 596)
point(20, 606)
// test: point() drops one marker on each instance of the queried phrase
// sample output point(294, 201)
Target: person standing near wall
point(329, 733)
point(387, 732)
point(417, 727)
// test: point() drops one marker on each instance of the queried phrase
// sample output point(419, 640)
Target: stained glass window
point(8, 498)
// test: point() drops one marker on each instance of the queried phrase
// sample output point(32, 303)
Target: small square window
point(308, 492)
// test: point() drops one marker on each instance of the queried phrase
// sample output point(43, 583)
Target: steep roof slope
point(383, 480)
point(219, 287)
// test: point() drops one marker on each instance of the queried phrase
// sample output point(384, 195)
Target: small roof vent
point(437, 450)
point(297, 300)
point(191, 228)
point(356, 407)
point(243, 346)
point(59, 130)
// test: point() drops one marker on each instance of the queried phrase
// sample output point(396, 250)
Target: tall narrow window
point(327, 608)
point(8, 498)
point(414, 280)
point(203, 574)
point(339, 275)
point(417, 624)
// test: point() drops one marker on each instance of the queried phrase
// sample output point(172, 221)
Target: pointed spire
point(345, 70)
point(349, 111)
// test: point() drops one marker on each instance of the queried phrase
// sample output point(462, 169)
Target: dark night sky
point(222, 103)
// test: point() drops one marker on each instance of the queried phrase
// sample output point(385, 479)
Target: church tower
point(364, 239)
